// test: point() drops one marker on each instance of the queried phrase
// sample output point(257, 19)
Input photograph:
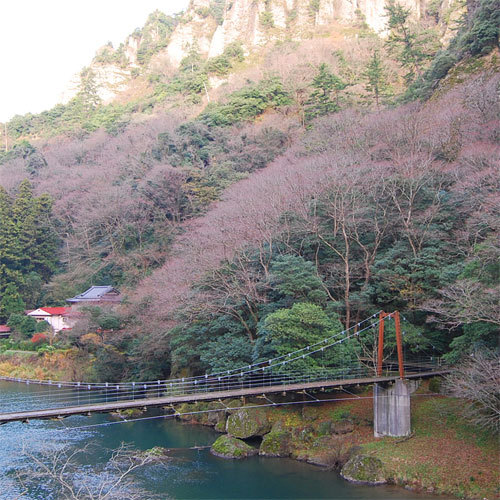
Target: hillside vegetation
point(254, 202)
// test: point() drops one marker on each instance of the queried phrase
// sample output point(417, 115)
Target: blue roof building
point(96, 294)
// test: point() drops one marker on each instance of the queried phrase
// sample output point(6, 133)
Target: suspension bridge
point(297, 371)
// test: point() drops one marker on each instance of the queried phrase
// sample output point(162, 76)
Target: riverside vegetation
point(339, 435)
point(249, 204)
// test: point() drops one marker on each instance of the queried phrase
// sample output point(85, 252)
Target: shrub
point(247, 103)
point(266, 20)
point(477, 381)
point(483, 33)
point(435, 384)
point(20, 323)
point(39, 339)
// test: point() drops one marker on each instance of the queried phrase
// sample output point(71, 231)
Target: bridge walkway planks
point(191, 398)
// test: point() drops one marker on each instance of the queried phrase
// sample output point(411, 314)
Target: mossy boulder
point(303, 435)
point(220, 426)
point(276, 444)
point(156, 454)
point(202, 412)
point(128, 413)
point(342, 427)
point(157, 451)
point(232, 405)
point(364, 469)
point(230, 447)
point(324, 428)
point(247, 423)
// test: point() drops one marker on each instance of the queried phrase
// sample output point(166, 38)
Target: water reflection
point(188, 474)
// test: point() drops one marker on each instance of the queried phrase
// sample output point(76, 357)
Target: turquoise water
point(189, 474)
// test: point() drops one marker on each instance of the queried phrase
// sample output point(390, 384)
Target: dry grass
point(59, 365)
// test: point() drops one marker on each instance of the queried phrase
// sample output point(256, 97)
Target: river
point(190, 474)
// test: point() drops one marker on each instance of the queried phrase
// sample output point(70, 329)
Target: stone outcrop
point(276, 444)
point(247, 423)
point(196, 30)
point(364, 469)
point(253, 23)
point(205, 413)
point(230, 447)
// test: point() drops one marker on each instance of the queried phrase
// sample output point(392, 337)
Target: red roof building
point(4, 331)
point(59, 318)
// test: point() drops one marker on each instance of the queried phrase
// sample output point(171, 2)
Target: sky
point(44, 43)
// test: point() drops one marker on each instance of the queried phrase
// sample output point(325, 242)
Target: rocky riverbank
point(444, 455)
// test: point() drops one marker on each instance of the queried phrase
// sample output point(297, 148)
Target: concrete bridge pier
point(391, 408)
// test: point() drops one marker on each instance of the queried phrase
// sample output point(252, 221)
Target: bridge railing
point(55, 395)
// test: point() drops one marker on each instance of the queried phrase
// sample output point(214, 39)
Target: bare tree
point(477, 381)
point(466, 301)
point(59, 470)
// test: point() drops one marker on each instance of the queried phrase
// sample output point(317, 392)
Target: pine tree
point(44, 254)
point(325, 84)
point(10, 302)
point(411, 47)
point(10, 251)
point(376, 79)
point(28, 245)
point(6, 223)
point(24, 216)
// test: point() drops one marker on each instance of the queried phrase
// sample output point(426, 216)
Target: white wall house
point(58, 318)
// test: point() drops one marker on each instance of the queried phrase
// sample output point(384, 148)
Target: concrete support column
point(391, 408)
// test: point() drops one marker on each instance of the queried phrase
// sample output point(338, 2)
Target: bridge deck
point(200, 396)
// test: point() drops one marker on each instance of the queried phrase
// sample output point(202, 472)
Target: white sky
point(43, 43)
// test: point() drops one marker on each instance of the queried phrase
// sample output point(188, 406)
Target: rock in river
point(364, 469)
point(247, 423)
point(230, 447)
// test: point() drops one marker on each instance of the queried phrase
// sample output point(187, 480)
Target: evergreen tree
point(44, 254)
point(11, 302)
point(297, 279)
point(87, 99)
point(7, 258)
point(376, 80)
point(20, 323)
point(24, 216)
point(287, 330)
point(411, 47)
point(10, 251)
point(326, 85)
point(28, 246)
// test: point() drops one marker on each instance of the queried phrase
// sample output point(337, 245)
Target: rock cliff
point(254, 23)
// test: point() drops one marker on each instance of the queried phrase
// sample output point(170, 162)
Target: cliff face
point(110, 80)
point(254, 22)
point(195, 28)
point(251, 22)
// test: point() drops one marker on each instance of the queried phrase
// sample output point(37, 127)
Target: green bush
point(483, 33)
point(217, 8)
point(435, 384)
point(45, 348)
point(247, 103)
point(219, 65)
point(314, 6)
point(22, 324)
point(266, 20)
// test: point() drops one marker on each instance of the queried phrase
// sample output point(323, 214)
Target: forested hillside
point(251, 202)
